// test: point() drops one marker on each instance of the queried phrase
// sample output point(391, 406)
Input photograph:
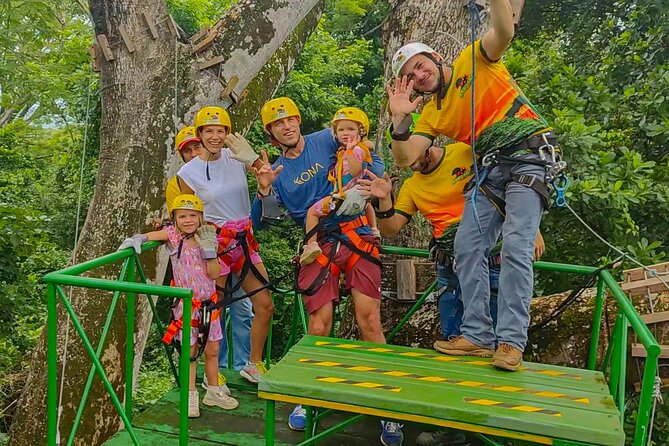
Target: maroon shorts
point(364, 277)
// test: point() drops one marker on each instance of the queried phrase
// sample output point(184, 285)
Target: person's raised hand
point(375, 186)
point(265, 174)
point(399, 98)
point(241, 149)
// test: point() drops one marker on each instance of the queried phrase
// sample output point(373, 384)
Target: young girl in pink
point(193, 250)
point(350, 126)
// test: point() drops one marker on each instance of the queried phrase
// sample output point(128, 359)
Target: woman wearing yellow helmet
point(218, 177)
point(192, 246)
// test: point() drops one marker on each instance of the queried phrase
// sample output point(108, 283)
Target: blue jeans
point(450, 302)
point(518, 228)
point(241, 316)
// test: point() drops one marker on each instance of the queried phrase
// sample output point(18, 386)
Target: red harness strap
point(176, 325)
point(348, 229)
point(226, 236)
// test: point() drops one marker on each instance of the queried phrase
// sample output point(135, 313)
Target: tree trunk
point(259, 42)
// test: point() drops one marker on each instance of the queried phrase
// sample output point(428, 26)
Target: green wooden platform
point(541, 403)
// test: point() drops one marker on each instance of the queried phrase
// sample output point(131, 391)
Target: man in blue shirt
point(299, 178)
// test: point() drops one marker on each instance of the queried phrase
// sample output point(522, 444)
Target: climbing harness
point(342, 234)
point(208, 314)
point(271, 211)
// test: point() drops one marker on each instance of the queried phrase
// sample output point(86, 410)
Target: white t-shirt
point(226, 195)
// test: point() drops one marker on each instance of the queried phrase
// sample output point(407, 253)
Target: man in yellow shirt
point(519, 157)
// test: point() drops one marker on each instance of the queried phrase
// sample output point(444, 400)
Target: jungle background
point(597, 70)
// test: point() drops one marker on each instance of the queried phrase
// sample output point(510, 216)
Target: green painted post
point(623, 368)
point(596, 325)
point(645, 400)
point(184, 372)
point(269, 423)
point(615, 351)
point(300, 305)
point(101, 371)
point(309, 427)
point(52, 364)
point(268, 354)
point(98, 353)
point(293, 331)
point(419, 303)
point(130, 337)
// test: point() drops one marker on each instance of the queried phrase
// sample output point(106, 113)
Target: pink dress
point(190, 271)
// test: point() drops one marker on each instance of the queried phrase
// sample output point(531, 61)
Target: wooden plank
point(663, 386)
point(200, 34)
point(126, 39)
point(151, 22)
point(211, 62)
point(94, 57)
point(172, 26)
point(641, 287)
point(654, 318)
point(634, 274)
point(106, 49)
point(204, 43)
point(405, 271)
point(638, 351)
point(380, 381)
point(231, 86)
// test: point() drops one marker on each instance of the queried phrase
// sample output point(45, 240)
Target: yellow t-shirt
point(438, 195)
point(498, 98)
point(172, 191)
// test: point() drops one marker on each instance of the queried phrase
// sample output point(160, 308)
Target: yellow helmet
point(213, 116)
point(352, 114)
point(278, 108)
point(187, 201)
point(185, 135)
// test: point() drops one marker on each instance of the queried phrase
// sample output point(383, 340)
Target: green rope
point(506, 133)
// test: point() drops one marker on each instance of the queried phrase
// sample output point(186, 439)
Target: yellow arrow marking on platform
point(365, 384)
point(439, 379)
point(519, 407)
point(444, 358)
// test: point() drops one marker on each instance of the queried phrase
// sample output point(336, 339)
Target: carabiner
point(560, 189)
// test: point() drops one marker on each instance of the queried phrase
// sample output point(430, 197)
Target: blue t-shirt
point(304, 180)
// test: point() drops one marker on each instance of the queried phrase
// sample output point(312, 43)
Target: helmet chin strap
point(440, 90)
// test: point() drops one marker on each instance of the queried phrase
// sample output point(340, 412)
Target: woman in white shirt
point(218, 177)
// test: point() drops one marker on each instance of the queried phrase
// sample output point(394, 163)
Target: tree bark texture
point(146, 96)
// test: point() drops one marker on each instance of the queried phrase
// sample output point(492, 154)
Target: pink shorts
point(215, 331)
point(364, 277)
point(232, 261)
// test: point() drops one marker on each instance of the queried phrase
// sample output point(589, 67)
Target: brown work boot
point(460, 346)
point(507, 357)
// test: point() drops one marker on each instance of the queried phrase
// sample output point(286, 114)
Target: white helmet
point(407, 52)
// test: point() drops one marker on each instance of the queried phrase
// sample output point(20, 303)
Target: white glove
point(241, 149)
point(206, 238)
point(134, 242)
point(353, 204)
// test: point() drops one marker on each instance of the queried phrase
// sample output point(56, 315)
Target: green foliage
point(611, 113)
point(192, 15)
point(44, 60)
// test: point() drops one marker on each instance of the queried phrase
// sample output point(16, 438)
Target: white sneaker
point(193, 404)
point(252, 371)
point(222, 384)
point(219, 399)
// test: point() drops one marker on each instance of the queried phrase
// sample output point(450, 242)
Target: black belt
point(532, 143)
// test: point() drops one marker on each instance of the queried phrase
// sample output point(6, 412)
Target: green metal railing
point(132, 281)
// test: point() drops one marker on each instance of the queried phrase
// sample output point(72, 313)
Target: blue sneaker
point(391, 433)
point(297, 420)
